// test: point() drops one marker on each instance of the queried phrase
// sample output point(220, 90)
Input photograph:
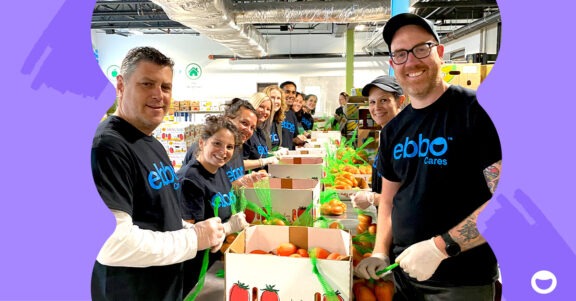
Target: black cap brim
point(385, 83)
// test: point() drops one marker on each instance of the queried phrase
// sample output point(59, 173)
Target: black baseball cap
point(401, 20)
point(384, 82)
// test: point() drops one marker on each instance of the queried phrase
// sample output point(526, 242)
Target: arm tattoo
point(468, 232)
point(492, 175)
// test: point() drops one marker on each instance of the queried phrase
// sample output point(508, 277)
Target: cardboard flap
point(239, 244)
point(299, 236)
point(286, 183)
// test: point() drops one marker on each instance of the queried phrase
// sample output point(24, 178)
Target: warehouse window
point(458, 55)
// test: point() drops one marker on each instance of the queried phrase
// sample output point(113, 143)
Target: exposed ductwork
point(474, 26)
point(313, 12)
point(230, 24)
point(377, 40)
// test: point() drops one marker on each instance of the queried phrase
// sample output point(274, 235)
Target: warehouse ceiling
point(243, 25)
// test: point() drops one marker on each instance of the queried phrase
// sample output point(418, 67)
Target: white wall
point(223, 79)
point(484, 40)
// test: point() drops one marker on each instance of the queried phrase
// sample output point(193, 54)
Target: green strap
point(328, 291)
point(205, 260)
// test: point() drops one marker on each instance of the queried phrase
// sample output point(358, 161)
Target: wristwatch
point(452, 247)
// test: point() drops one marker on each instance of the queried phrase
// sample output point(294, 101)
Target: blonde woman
point(255, 150)
point(274, 124)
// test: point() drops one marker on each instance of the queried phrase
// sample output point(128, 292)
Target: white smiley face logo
point(546, 276)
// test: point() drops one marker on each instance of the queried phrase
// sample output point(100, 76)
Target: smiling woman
point(204, 180)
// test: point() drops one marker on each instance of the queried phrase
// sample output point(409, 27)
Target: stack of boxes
point(176, 137)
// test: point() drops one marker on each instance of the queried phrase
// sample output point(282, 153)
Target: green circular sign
point(113, 71)
point(193, 71)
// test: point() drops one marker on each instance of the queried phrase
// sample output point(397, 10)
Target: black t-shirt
point(132, 173)
point(307, 121)
point(376, 176)
point(275, 135)
point(255, 147)
point(438, 154)
point(200, 189)
point(289, 130)
point(235, 167)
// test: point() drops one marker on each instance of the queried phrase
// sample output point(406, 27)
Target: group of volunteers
point(437, 166)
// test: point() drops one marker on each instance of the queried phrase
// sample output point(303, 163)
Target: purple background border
point(53, 221)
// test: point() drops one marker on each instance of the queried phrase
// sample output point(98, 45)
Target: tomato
point(321, 253)
point(301, 210)
point(286, 249)
point(364, 219)
point(269, 294)
point(361, 228)
point(239, 292)
point(258, 252)
point(372, 229)
point(249, 215)
point(231, 237)
point(337, 210)
point(302, 252)
point(384, 290)
point(363, 292)
point(336, 225)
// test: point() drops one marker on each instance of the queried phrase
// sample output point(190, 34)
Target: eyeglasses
point(419, 51)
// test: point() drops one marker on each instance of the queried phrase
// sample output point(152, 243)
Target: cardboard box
point(307, 152)
point(484, 71)
point(331, 135)
point(363, 135)
point(290, 195)
point(298, 168)
point(465, 75)
point(291, 277)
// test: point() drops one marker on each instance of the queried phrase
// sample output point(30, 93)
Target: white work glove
point(269, 160)
point(421, 260)
point(368, 266)
point(362, 199)
point(248, 180)
point(302, 137)
point(236, 223)
point(281, 152)
point(210, 234)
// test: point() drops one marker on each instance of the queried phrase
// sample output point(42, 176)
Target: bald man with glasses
point(440, 160)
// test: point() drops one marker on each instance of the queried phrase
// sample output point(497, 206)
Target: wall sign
point(193, 71)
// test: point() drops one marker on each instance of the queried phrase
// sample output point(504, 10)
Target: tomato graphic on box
point(239, 292)
point(337, 297)
point(270, 294)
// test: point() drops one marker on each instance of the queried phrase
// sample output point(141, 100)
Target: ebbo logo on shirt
point(410, 148)
point(163, 176)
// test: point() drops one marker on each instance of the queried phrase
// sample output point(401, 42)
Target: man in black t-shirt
point(440, 160)
point(290, 123)
point(142, 259)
